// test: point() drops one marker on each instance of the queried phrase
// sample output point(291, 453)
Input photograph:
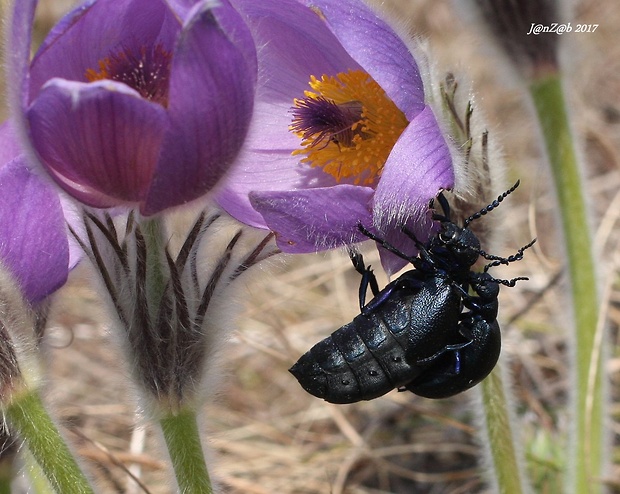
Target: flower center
point(347, 125)
point(147, 72)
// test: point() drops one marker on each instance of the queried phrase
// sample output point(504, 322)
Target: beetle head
point(462, 243)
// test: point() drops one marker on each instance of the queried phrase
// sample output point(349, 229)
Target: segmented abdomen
point(360, 361)
point(410, 321)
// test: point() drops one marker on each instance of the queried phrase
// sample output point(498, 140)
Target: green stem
point(180, 429)
point(157, 277)
point(37, 480)
point(500, 436)
point(6, 474)
point(585, 465)
point(183, 441)
point(27, 416)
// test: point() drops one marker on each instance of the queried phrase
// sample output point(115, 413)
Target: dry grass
point(266, 434)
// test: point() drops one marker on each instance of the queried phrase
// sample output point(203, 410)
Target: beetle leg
point(457, 362)
point(357, 260)
point(447, 348)
point(409, 283)
point(472, 302)
point(368, 277)
point(384, 243)
point(425, 255)
point(419, 244)
point(378, 300)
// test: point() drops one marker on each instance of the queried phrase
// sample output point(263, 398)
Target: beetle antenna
point(497, 260)
point(492, 206)
point(511, 282)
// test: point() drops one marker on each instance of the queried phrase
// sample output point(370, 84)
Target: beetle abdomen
point(360, 361)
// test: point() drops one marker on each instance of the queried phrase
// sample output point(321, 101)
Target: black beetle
point(424, 332)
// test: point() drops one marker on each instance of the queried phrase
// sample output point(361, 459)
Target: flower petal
point(418, 167)
point(18, 59)
point(210, 105)
point(315, 219)
point(181, 8)
point(34, 243)
point(294, 44)
point(99, 141)
point(87, 35)
point(377, 48)
point(72, 213)
point(269, 170)
point(9, 143)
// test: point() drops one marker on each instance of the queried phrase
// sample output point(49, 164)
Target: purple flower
point(34, 246)
point(127, 104)
point(341, 133)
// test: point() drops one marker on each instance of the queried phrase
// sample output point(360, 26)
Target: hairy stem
point(500, 438)
point(585, 448)
point(27, 416)
point(183, 441)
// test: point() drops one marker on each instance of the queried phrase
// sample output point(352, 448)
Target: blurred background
point(265, 433)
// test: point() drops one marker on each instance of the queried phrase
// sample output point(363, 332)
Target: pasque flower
point(341, 132)
point(136, 103)
point(127, 103)
point(144, 104)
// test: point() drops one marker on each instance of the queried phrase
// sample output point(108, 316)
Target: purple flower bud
point(35, 246)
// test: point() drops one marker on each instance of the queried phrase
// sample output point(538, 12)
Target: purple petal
point(315, 219)
point(72, 213)
point(181, 8)
point(273, 170)
point(100, 141)
point(93, 32)
point(294, 44)
point(18, 59)
point(236, 29)
point(210, 105)
point(265, 170)
point(418, 167)
point(9, 143)
point(377, 48)
point(34, 241)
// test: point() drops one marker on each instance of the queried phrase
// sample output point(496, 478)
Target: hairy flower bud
point(479, 172)
point(163, 299)
point(513, 24)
